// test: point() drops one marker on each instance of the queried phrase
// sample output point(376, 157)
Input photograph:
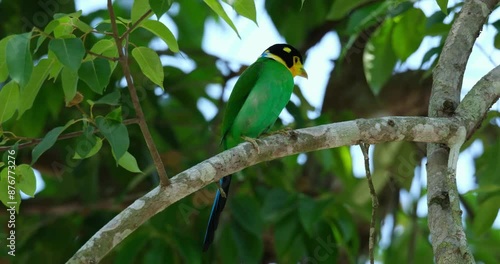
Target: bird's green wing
point(267, 98)
point(240, 92)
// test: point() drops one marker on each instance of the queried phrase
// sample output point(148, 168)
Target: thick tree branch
point(481, 97)
point(371, 131)
point(445, 223)
point(449, 72)
point(123, 58)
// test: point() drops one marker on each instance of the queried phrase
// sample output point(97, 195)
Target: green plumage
point(259, 96)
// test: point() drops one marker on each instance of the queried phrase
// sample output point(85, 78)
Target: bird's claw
point(253, 141)
point(285, 131)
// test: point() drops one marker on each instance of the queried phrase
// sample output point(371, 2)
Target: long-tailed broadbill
point(258, 97)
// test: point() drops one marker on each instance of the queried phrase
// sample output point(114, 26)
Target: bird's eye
point(295, 59)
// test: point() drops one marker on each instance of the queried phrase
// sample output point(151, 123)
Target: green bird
point(258, 97)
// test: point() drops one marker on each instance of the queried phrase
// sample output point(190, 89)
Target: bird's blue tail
point(217, 208)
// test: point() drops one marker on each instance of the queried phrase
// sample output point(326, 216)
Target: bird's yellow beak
point(302, 72)
point(298, 70)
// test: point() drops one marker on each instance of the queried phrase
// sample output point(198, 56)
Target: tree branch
point(373, 194)
point(123, 58)
point(479, 100)
point(371, 131)
point(134, 25)
point(449, 72)
point(448, 238)
point(101, 56)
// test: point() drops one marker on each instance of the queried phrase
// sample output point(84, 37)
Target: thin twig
point(134, 25)
point(36, 141)
point(123, 59)
point(102, 56)
point(373, 194)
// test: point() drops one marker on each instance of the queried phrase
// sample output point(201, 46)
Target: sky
point(220, 40)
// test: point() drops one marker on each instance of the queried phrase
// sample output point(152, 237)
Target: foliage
point(65, 112)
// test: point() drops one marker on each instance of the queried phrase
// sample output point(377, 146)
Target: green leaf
point(9, 194)
point(408, 33)
point(18, 58)
point(87, 146)
point(364, 17)
point(69, 81)
point(245, 8)
point(104, 47)
point(160, 7)
point(217, 8)
point(496, 24)
point(379, 58)
point(443, 5)
point(116, 133)
point(26, 179)
point(56, 66)
point(116, 114)
point(9, 99)
point(48, 141)
point(285, 232)
point(250, 247)
point(139, 8)
point(341, 9)
point(428, 55)
point(487, 165)
point(82, 26)
point(27, 94)
point(131, 247)
point(128, 162)
point(69, 52)
point(64, 28)
point(277, 204)
point(48, 29)
point(107, 48)
point(4, 73)
point(496, 41)
point(310, 212)
point(150, 64)
point(394, 10)
point(486, 214)
point(160, 30)
point(244, 210)
point(112, 98)
point(95, 74)
point(86, 143)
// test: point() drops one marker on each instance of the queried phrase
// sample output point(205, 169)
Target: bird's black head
point(289, 56)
